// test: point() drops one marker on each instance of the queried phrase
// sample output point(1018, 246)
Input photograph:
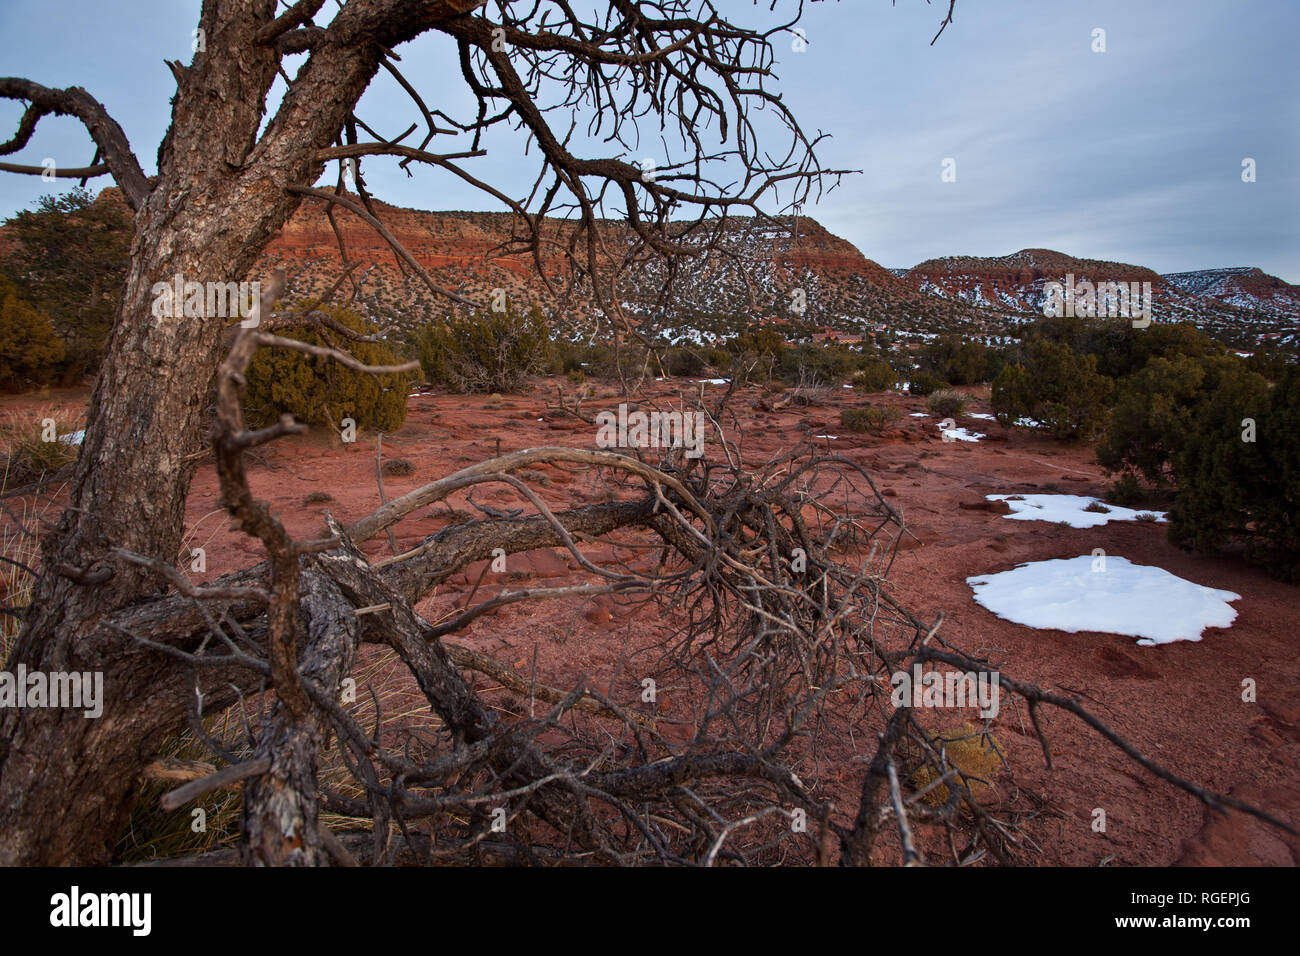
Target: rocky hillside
point(1245, 287)
point(759, 278)
point(1242, 306)
point(1016, 282)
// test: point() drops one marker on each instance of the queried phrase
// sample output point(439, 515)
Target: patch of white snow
point(1068, 508)
point(1104, 593)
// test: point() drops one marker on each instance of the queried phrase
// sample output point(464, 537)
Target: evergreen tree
point(1239, 473)
point(1062, 391)
point(68, 258)
point(320, 391)
point(30, 352)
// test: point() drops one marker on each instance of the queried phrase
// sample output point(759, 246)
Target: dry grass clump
point(382, 685)
point(36, 443)
point(152, 833)
point(397, 468)
point(872, 418)
point(976, 756)
point(22, 551)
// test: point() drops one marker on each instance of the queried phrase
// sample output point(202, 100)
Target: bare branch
point(103, 129)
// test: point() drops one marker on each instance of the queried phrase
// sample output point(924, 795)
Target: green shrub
point(947, 403)
point(757, 342)
point(824, 363)
point(1233, 490)
point(68, 257)
point(1054, 386)
point(597, 361)
point(1122, 350)
point(1268, 361)
point(1126, 491)
point(695, 361)
point(30, 352)
point(487, 352)
point(1010, 394)
point(954, 359)
point(717, 358)
point(871, 418)
point(320, 391)
point(995, 361)
point(1152, 416)
point(1184, 418)
point(1157, 408)
point(877, 376)
point(566, 357)
point(923, 384)
point(682, 363)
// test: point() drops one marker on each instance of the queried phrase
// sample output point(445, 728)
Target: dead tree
point(769, 659)
point(778, 638)
point(225, 185)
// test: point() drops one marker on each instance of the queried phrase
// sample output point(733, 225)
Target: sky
point(1132, 154)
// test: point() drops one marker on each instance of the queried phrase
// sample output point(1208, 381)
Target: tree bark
point(220, 196)
point(282, 806)
point(224, 188)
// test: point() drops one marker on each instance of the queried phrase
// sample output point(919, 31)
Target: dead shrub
point(397, 468)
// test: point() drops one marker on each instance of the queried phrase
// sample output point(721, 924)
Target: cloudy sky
point(1133, 154)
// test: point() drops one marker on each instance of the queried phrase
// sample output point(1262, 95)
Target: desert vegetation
point(31, 353)
point(1173, 412)
point(323, 697)
point(314, 389)
point(487, 352)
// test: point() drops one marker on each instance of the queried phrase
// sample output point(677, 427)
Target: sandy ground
point(1180, 703)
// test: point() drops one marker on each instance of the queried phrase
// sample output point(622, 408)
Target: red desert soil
point(1179, 703)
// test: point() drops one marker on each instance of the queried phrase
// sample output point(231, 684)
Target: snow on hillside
point(1208, 281)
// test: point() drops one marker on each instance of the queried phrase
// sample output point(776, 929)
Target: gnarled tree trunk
point(65, 780)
